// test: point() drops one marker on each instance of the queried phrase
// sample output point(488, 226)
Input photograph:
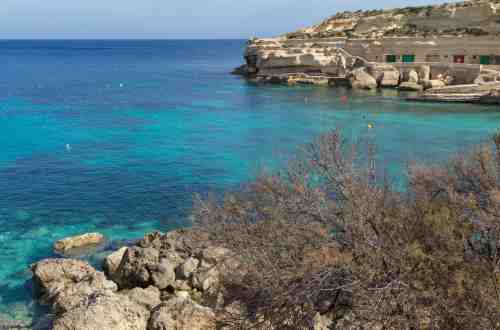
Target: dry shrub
point(323, 237)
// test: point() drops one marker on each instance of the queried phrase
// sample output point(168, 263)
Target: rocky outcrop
point(104, 311)
point(66, 283)
point(112, 262)
point(74, 245)
point(386, 75)
point(360, 79)
point(170, 281)
point(182, 314)
point(326, 53)
point(279, 58)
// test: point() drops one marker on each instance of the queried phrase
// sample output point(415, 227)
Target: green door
point(408, 58)
point(484, 59)
point(390, 58)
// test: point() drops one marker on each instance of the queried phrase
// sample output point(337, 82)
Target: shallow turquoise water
point(117, 136)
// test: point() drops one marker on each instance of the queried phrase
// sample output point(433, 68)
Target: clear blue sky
point(171, 18)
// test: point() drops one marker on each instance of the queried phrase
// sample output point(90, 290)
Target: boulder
point(134, 268)
point(390, 79)
point(112, 263)
point(148, 298)
point(162, 274)
point(182, 313)
point(360, 79)
point(185, 270)
point(65, 283)
point(412, 77)
point(378, 70)
point(424, 72)
point(409, 86)
point(428, 84)
point(104, 311)
point(206, 279)
point(78, 243)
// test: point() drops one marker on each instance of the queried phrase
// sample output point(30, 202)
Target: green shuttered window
point(408, 58)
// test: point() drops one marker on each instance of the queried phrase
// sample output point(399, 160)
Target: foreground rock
point(154, 285)
point(73, 245)
point(104, 311)
point(66, 283)
point(171, 281)
point(182, 314)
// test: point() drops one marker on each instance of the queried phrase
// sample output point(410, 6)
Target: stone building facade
point(468, 50)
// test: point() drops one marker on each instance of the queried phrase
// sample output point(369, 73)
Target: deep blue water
point(117, 136)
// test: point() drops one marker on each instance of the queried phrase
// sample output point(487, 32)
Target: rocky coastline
point(164, 281)
point(321, 55)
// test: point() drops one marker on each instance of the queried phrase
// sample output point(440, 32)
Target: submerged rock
point(76, 244)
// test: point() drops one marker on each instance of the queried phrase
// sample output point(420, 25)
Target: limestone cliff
point(475, 17)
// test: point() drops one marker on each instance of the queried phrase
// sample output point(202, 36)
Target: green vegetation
point(327, 236)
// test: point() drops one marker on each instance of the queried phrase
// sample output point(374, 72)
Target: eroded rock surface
point(154, 284)
point(65, 283)
point(360, 79)
point(182, 313)
point(104, 311)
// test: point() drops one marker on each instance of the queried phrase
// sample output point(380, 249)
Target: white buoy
point(121, 84)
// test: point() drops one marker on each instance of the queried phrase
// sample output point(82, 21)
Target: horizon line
point(118, 39)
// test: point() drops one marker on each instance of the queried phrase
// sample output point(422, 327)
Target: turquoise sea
point(117, 136)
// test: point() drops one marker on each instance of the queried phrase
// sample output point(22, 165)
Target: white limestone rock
point(360, 79)
point(89, 240)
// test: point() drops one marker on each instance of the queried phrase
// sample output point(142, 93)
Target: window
point(459, 59)
point(485, 59)
point(390, 58)
point(408, 58)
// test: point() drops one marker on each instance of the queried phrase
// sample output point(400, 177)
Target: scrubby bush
point(325, 237)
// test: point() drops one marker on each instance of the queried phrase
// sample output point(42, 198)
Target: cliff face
point(477, 17)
